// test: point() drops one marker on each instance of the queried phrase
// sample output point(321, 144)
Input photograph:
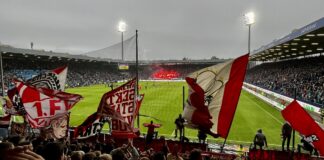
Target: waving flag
point(90, 127)
point(302, 122)
point(213, 96)
point(54, 80)
point(41, 104)
point(120, 105)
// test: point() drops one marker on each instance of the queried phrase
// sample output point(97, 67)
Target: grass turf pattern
point(163, 103)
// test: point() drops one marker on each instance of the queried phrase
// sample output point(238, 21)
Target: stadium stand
point(306, 75)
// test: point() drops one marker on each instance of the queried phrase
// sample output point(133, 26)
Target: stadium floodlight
point(122, 29)
point(121, 26)
point(249, 20)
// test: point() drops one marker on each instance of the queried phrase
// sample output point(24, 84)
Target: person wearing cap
point(260, 140)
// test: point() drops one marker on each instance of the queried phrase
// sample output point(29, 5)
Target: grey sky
point(168, 29)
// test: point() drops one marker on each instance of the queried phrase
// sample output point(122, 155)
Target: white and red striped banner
point(54, 79)
point(121, 106)
point(213, 96)
point(41, 104)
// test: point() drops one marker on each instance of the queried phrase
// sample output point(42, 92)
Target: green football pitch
point(163, 103)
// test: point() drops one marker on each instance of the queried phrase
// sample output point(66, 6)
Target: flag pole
point(222, 147)
point(68, 127)
point(183, 97)
point(137, 77)
point(183, 105)
point(2, 79)
point(293, 138)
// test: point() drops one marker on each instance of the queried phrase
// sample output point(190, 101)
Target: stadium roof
point(10, 52)
point(305, 41)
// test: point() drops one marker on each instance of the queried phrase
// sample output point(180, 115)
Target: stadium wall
point(275, 99)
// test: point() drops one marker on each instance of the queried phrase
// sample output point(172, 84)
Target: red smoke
point(165, 74)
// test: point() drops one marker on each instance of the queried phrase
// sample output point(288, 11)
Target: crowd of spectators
point(28, 148)
point(305, 75)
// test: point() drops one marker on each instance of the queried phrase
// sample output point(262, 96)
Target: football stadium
point(94, 104)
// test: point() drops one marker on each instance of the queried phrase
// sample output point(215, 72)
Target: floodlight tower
point(249, 20)
point(122, 29)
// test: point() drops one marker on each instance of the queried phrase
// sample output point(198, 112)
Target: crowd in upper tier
point(306, 75)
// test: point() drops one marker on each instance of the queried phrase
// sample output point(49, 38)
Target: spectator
point(195, 155)
point(150, 131)
point(260, 140)
point(76, 155)
point(305, 145)
point(54, 151)
point(179, 126)
point(117, 154)
point(174, 155)
point(89, 156)
point(158, 156)
point(286, 134)
point(105, 157)
point(202, 136)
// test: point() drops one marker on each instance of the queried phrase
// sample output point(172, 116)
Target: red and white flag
point(213, 96)
point(121, 106)
point(42, 104)
point(302, 122)
point(54, 79)
point(90, 127)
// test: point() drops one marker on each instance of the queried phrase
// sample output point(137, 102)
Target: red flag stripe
point(302, 122)
point(231, 96)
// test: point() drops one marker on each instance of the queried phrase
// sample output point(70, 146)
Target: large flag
point(90, 127)
point(213, 96)
point(302, 122)
point(120, 105)
point(54, 79)
point(42, 104)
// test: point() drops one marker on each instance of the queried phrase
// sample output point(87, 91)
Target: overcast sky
point(168, 29)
